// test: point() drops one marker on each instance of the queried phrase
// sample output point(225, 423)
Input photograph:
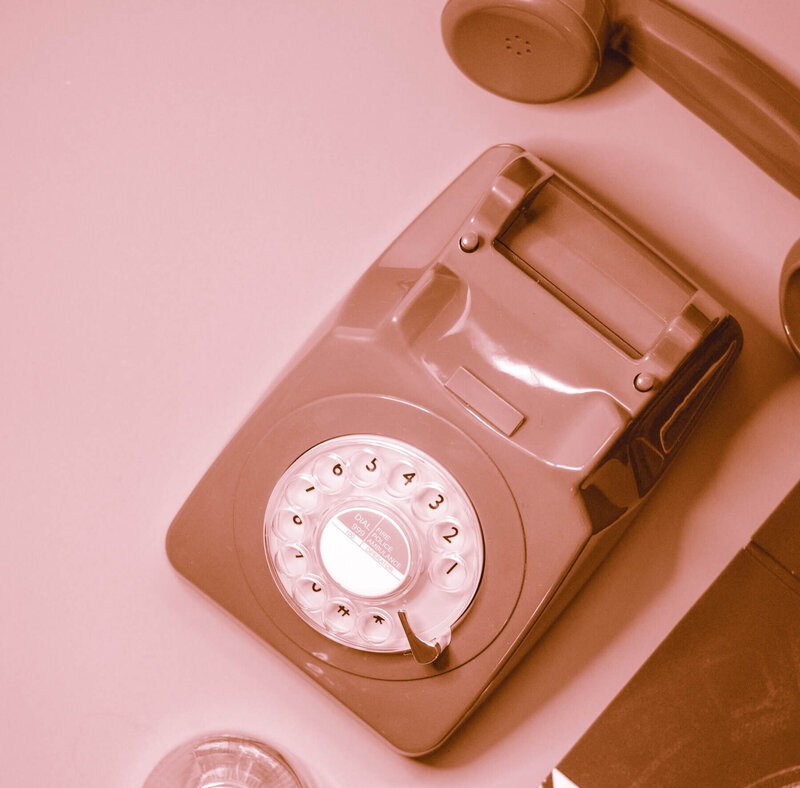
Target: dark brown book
point(718, 703)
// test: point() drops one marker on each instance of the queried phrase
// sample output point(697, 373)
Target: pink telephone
point(423, 490)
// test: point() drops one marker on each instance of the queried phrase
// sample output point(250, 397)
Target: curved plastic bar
point(790, 297)
point(744, 99)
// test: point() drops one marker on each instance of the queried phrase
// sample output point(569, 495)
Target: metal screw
point(469, 242)
point(644, 381)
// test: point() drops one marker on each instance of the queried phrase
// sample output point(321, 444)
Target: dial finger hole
point(309, 591)
point(292, 560)
point(290, 525)
point(375, 625)
point(402, 480)
point(448, 535)
point(430, 502)
point(366, 468)
point(339, 615)
point(449, 572)
point(330, 472)
point(302, 493)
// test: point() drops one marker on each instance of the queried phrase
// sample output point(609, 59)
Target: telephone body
point(457, 448)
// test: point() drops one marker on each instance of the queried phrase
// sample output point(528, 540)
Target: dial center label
point(365, 551)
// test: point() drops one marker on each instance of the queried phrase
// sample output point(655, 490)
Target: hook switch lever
point(423, 651)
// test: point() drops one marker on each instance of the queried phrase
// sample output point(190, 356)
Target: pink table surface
point(187, 188)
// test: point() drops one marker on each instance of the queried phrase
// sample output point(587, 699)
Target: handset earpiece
point(541, 51)
point(536, 51)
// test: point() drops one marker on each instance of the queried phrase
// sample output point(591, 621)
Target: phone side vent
point(643, 452)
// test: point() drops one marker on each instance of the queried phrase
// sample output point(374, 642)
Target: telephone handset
point(438, 472)
point(540, 51)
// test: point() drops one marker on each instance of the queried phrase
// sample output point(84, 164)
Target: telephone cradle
point(443, 465)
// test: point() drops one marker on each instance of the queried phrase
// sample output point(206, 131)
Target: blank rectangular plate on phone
point(422, 491)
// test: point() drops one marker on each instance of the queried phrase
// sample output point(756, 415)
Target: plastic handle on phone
point(790, 297)
point(423, 651)
point(510, 189)
point(742, 98)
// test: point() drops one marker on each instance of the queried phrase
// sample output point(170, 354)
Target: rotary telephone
point(431, 480)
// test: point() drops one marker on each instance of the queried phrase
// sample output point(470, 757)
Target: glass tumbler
point(225, 761)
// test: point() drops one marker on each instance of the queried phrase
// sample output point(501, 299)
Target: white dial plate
point(362, 526)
